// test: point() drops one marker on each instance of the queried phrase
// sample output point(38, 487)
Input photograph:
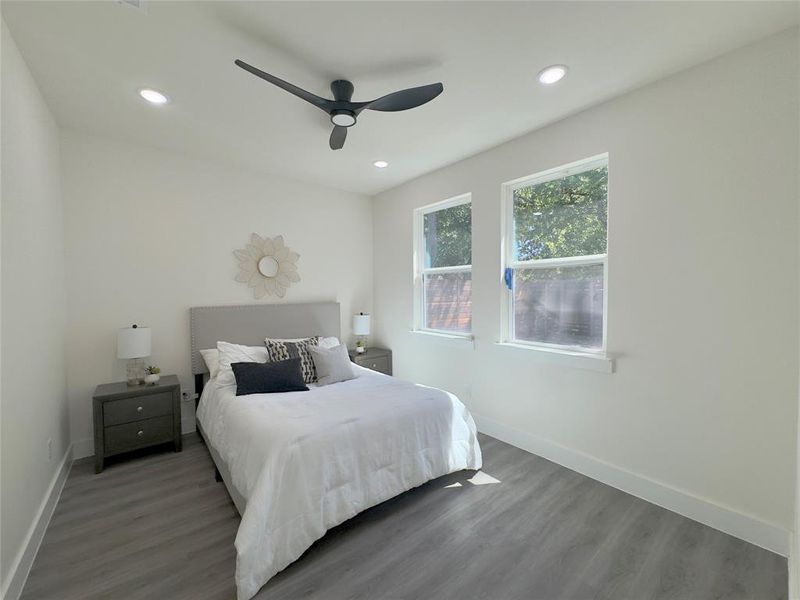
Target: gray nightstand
point(377, 359)
point(128, 418)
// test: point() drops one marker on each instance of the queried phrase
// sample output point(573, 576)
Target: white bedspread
point(308, 461)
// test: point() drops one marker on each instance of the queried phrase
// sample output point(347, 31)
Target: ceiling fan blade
point(405, 99)
point(292, 89)
point(338, 135)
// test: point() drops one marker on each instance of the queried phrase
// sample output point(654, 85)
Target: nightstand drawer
point(138, 434)
point(126, 410)
point(379, 363)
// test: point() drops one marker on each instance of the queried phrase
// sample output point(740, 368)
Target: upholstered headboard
point(249, 324)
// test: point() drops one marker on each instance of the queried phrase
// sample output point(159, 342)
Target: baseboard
point(23, 562)
point(746, 527)
point(82, 448)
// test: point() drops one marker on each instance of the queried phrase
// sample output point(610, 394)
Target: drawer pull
point(140, 433)
point(138, 409)
point(374, 365)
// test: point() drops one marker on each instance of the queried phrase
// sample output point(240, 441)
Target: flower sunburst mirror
point(267, 265)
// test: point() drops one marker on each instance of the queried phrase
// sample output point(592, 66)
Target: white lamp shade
point(133, 342)
point(361, 324)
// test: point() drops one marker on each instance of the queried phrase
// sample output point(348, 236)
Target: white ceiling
point(90, 58)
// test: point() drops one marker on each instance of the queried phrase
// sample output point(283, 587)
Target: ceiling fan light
point(343, 118)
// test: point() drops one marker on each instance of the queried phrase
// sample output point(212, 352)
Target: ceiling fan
point(342, 111)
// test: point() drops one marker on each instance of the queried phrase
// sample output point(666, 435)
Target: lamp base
point(134, 371)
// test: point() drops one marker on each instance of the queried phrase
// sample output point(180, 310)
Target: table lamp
point(133, 344)
point(361, 330)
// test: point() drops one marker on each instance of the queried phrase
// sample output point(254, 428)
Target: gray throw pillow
point(333, 364)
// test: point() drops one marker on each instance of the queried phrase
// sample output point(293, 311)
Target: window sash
point(420, 270)
point(419, 222)
point(509, 321)
point(423, 321)
point(509, 261)
point(557, 263)
point(510, 188)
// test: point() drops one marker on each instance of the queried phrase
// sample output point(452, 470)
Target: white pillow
point(232, 353)
point(328, 342)
point(211, 358)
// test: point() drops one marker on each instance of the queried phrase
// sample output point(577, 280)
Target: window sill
point(568, 358)
point(448, 338)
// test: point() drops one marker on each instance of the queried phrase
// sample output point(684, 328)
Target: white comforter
point(308, 461)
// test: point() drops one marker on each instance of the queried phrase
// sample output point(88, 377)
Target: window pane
point(448, 236)
point(559, 305)
point(448, 301)
point(563, 217)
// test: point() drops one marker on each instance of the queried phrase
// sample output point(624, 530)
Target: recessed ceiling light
point(380, 164)
point(552, 74)
point(153, 96)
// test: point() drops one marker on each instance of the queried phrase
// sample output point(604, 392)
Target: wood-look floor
point(158, 527)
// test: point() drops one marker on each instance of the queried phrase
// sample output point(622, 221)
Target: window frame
point(420, 270)
point(508, 261)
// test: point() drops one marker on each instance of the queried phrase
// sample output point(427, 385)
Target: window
point(556, 257)
point(443, 267)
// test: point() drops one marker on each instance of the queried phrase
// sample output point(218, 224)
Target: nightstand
point(132, 417)
point(377, 359)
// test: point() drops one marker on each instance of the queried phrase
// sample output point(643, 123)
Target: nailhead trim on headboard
point(267, 320)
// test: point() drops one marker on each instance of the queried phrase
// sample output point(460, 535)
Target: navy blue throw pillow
point(269, 377)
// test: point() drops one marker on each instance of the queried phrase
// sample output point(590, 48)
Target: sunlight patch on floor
point(480, 478)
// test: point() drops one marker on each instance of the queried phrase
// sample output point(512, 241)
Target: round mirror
point(268, 266)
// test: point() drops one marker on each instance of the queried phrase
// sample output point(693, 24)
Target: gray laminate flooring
point(159, 527)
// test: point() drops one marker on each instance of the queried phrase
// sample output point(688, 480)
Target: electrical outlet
point(50, 449)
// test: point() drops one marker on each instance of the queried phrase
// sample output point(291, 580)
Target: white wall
point(703, 288)
point(151, 233)
point(33, 405)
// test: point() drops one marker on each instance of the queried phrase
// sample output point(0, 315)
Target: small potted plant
point(361, 346)
point(152, 374)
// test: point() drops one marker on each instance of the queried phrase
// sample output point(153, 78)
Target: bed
point(297, 464)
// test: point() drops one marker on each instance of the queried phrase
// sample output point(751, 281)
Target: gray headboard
point(249, 324)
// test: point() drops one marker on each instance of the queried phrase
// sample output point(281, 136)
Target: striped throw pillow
point(283, 350)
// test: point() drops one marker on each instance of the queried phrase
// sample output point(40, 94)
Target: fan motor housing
point(342, 90)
